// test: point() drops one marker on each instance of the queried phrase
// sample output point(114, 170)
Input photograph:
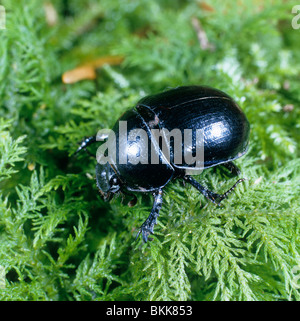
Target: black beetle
point(225, 138)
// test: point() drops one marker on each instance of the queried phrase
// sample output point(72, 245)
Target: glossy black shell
point(225, 127)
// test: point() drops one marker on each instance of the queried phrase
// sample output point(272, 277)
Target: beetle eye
point(114, 181)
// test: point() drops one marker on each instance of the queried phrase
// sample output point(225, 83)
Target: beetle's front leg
point(147, 227)
point(215, 198)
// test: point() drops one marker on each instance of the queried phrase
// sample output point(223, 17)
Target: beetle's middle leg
point(232, 168)
point(147, 227)
point(214, 197)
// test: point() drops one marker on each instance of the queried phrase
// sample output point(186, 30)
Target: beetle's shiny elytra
point(225, 137)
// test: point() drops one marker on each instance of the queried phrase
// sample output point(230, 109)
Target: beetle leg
point(85, 143)
point(147, 227)
point(232, 168)
point(133, 201)
point(215, 198)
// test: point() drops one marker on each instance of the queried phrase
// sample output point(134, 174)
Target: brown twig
point(204, 43)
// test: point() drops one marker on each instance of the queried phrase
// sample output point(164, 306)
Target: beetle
point(225, 130)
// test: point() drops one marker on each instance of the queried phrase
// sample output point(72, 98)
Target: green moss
point(59, 240)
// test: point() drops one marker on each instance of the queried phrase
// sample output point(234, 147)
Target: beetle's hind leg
point(214, 197)
point(147, 227)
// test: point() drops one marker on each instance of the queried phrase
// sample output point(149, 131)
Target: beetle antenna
point(87, 141)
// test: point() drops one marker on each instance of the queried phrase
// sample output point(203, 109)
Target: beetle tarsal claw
point(146, 231)
point(147, 228)
point(220, 197)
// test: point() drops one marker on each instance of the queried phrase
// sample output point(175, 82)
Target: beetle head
point(107, 181)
